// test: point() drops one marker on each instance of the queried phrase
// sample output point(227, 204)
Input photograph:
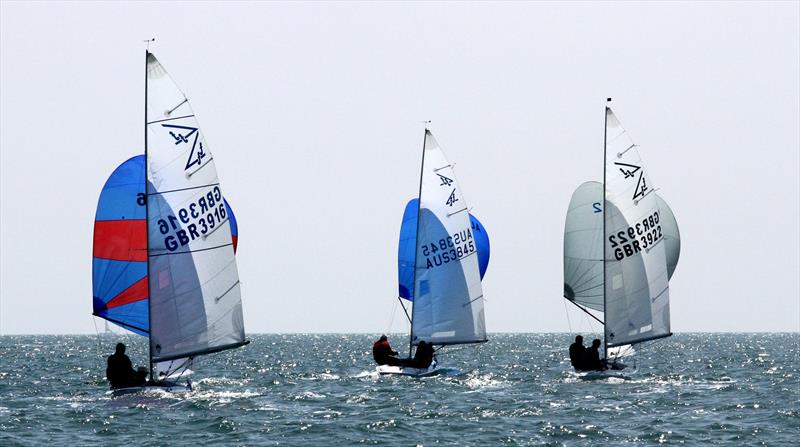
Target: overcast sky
point(313, 113)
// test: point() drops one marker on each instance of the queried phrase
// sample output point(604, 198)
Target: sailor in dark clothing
point(422, 358)
point(591, 358)
point(424, 355)
point(120, 371)
point(576, 352)
point(383, 353)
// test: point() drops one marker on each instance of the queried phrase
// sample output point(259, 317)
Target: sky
point(314, 113)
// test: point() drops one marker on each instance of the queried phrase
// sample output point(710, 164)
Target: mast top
point(147, 43)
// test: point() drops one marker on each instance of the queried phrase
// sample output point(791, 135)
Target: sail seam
point(182, 189)
point(191, 251)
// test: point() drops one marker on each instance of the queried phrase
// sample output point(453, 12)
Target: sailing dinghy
point(164, 240)
point(442, 256)
point(621, 247)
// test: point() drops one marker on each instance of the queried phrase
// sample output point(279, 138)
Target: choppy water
point(319, 390)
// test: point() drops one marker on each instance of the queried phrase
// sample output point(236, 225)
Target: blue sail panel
point(119, 264)
point(406, 253)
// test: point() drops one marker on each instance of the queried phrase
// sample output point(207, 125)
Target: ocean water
point(321, 390)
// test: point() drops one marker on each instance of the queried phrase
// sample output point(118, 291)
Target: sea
point(322, 390)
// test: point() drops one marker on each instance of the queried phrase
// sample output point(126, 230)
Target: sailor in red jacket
point(383, 353)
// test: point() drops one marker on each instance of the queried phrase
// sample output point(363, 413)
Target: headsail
point(119, 262)
point(448, 298)
point(636, 284)
point(406, 251)
point(194, 288)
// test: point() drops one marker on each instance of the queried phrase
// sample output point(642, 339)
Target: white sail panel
point(448, 298)
point(583, 247)
point(672, 235)
point(195, 302)
point(637, 291)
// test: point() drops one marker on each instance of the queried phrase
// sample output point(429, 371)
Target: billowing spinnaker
point(672, 236)
point(448, 304)
point(405, 251)
point(119, 263)
point(195, 297)
point(637, 291)
point(583, 247)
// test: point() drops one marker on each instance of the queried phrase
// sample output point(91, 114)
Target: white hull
point(169, 388)
point(386, 370)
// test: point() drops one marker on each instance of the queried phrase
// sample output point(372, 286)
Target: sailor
point(120, 371)
point(576, 352)
point(424, 355)
point(383, 353)
point(591, 358)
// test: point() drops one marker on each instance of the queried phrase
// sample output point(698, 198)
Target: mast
point(605, 142)
point(416, 239)
point(147, 224)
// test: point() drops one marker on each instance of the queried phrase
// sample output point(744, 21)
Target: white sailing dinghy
point(621, 247)
point(164, 263)
point(446, 296)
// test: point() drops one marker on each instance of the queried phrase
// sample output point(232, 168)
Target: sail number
point(451, 248)
point(199, 218)
point(636, 238)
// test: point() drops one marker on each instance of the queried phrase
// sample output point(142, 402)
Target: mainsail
point(636, 283)
point(627, 279)
point(447, 293)
point(195, 302)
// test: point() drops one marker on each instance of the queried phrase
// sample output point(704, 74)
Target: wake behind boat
point(164, 243)
point(442, 256)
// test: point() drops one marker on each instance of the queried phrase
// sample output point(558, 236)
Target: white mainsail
point(635, 270)
point(195, 301)
point(448, 298)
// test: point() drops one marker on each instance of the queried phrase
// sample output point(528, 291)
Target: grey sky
point(313, 113)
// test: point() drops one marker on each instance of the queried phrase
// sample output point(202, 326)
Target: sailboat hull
point(386, 370)
point(163, 387)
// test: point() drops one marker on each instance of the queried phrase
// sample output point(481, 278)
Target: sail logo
point(629, 171)
point(445, 181)
point(181, 135)
point(452, 199)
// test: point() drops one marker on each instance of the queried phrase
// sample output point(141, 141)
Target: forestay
point(636, 283)
point(448, 299)
point(194, 284)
